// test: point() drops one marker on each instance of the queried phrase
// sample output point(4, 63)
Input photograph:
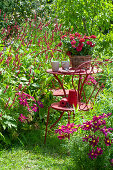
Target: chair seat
point(59, 92)
point(82, 106)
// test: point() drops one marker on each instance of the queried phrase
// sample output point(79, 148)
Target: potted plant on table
point(78, 47)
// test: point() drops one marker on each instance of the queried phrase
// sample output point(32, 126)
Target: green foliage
point(90, 17)
point(15, 10)
point(24, 58)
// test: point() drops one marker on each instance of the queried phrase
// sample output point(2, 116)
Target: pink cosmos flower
point(22, 118)
point(80, 44)
point(34, 108)
point(23, 101)
point(40, 104)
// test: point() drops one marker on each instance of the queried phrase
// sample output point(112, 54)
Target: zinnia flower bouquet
point(77, 44)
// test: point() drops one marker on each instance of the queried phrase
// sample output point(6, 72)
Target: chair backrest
point(91, 80)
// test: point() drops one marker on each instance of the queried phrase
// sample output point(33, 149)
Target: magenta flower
point(89, 43)
point(92, 154)
point(60, 44)
point(107, 141)
point(87, 125)
point(82, 40)
point(60, 129)
point(90, 80)
point(106, 115)
point(111, 161)
point(72, 37)
point(62, 136)
point(23, 101)
point(73, 42)
point(99, 151)
point(94, 141)
point(106, 131)
point(96, 118)
point(34, 108)
point(70, 128)
point(77, 34)
point(79, 48)
point(86, 138)
point(96, 126)
point(22, 118)
point(92, 36)
point(40, 104)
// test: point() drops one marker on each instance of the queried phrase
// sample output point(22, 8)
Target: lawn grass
point(33, 154)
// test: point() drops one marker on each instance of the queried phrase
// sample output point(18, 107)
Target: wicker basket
point(75, 61)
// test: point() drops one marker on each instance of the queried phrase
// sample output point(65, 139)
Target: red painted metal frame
point(83, 74)
point(56, 106)
point(94, 68)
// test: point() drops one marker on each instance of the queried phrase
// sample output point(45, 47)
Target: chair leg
point(47, 124)
point(69, 117)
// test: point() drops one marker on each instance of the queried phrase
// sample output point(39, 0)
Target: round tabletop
point(75, 72)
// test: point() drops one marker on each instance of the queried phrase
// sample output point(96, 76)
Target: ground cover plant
point(26, 52)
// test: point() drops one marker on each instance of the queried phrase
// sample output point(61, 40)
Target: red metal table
point(82, 76)
point(81, 82)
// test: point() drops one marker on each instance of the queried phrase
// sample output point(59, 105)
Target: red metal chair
point(90, 81)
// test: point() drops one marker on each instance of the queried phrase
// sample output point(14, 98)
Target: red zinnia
point(92, 36)
point(89, 43)
point(77, 34)
point(63, 36)
point(71, 38)
point(73, 42)
point(73, 46)
point(86, 37)
point(82, 40)
point(79, 48)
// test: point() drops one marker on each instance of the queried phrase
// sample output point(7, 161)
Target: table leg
point(47, 124)
point(57, 120)
point(60, 84)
